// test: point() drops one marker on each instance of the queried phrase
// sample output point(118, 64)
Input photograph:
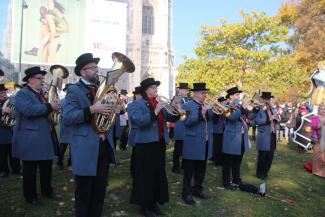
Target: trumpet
point(219, 108)
point(171, 106)
point(255, 102)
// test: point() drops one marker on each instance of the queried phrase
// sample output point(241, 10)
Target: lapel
point(146, 104)
point(85, 93)
point(33, 95)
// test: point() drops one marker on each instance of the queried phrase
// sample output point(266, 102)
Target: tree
point(306, 18)
point(238, 54)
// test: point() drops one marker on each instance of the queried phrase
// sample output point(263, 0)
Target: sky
point(189, 16)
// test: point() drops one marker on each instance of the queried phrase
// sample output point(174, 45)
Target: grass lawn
point(291, 191)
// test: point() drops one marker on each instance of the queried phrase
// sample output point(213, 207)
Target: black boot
point(155, 209)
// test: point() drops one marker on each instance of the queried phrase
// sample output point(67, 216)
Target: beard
point(94, 79)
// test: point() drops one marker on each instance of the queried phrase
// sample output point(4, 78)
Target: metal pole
point(23, 6)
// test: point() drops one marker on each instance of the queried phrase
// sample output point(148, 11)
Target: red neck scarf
point(153, 102)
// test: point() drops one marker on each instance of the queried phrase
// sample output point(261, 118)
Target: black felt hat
point(124, 92)
point(83, 60)
point(199, 87)
point(233, 91)
point(183, 86)
point(30, 72)
point(266, 95)
point(137, 90)
point(221, 99)
point(147, 82)
point(2, 87)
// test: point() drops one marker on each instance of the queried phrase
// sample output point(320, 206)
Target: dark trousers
point(29, 178)
point(171, 132)
point(231, 166)
point(124, 137)
point(217, 148)
point(194, 168)
point(90, 190)
point(6, 159)
point(132, 162)
point(178, 150)
point(254, 132)
point(63, 148)
point(265, 158)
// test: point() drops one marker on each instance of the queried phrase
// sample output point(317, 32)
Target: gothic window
point(147, 20)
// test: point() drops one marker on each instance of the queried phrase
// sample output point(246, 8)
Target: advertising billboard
point(58, 31)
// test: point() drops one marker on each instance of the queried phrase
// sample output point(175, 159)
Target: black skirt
point(150, 183)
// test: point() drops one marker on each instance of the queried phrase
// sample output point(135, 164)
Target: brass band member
point(91, 152)
point(124, 128)
point(150, 185)
point(218, 128)
point(197, 147)
point(5, 141)
point(133, 128)
point(179, 130)
point(64, 137)
point(266, 121)
point(32, 141)
point(235, 141)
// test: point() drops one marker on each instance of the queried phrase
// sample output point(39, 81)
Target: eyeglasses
point(92, 68)
point(39, 78)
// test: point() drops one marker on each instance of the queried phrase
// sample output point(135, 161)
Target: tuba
point(59, 73)
point(6, 119)
point(107, 93)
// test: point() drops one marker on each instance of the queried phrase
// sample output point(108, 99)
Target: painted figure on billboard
point(53, 24)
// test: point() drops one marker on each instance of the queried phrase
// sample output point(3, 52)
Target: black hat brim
point(5, 89)
point(25, 79)
point(229, 94)
point(149, 84)
point(200, 89)
point(267, 97)
point(82, 64)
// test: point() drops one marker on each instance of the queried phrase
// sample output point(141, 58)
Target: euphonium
point(59, 73)
point(8, 120)
point(107, 93)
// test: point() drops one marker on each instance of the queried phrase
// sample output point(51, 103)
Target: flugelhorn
point(107, 93)
point(219, 108)
point(172, 107)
